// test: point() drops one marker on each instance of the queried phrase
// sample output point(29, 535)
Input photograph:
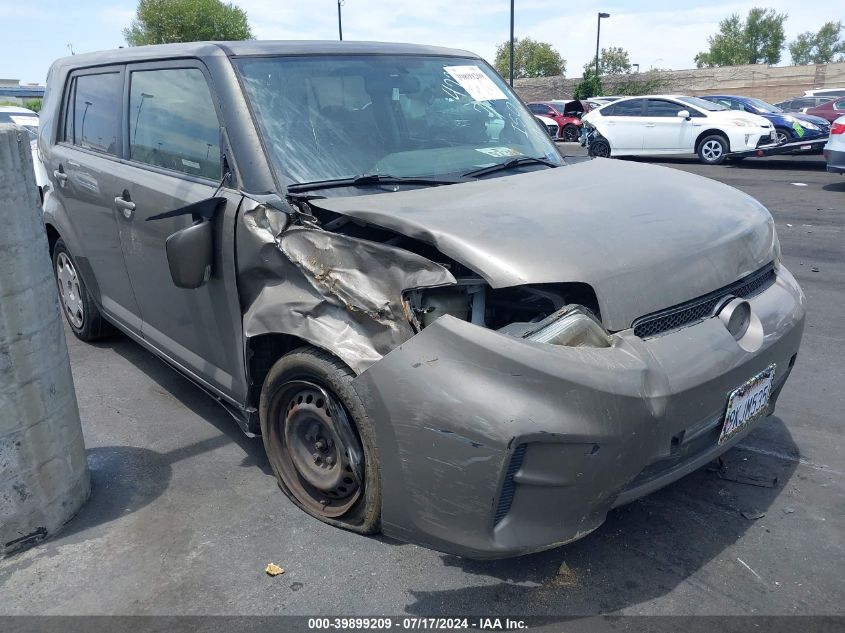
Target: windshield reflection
point(335, 117)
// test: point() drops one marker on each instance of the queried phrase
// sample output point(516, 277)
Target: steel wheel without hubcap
point(712, 150)
point(69, 291)
point(321, 457)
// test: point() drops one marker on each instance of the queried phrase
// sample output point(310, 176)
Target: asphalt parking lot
point(185, 513)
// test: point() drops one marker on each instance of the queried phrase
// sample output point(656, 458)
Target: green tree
point(163, 21)
point(589, 86)
point(530, 59)
point(756, 40)
point(820, 47)
point(612, 61)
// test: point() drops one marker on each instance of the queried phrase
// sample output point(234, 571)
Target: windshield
point(703, 104)
point(334, 117)
point(762, 106)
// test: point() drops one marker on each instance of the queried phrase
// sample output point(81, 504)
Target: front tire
point(713, 149)
point(319, 440)
point(81, 313)
point(783, 135)
point(570, 133)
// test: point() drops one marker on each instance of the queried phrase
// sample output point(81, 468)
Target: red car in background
point(831, 110)
point(567, 114)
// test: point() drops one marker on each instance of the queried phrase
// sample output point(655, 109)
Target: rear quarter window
point(93, 112)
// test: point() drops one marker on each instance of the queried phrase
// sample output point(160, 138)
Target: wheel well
point(52, 236)
point(712, 132)
point(262, 352)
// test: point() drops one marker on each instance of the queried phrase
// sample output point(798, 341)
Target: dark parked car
point(830, 111)
point(439, 329)
point(789, 127)
point(800, 104)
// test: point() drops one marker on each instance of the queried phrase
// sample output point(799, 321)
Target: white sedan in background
point(550, 124)
point(673, 124)
point(28, 120)
point(834, 151)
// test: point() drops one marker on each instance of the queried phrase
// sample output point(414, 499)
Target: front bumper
point(492, 446)
point(835, 161)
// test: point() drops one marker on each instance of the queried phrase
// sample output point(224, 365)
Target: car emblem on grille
point(735, 314)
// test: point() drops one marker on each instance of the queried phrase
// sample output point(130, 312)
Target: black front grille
point(691, 312)
point(552, 130)
point(506, 497)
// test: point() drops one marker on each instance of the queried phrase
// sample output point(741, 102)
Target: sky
point(659, 33)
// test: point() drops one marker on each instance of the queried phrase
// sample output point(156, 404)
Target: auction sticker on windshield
point(499, 152)
point(472, 79)
point(747, 402)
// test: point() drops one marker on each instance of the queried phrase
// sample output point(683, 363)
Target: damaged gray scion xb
point(372, 255)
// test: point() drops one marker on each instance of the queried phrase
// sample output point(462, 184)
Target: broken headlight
point(572, 326)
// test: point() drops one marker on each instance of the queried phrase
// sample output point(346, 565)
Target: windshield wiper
point(510, 164)
point(369, 179)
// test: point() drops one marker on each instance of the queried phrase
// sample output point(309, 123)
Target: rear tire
point(599, 148)
point(319, 440)
point(81, 313)
point(712, 150)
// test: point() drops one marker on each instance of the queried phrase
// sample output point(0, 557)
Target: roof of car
point(647, 97)
point(738, 97)
point(253, 47)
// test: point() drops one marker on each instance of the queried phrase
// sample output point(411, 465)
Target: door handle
point(61, 176)
point(126, 206)
point(649, 125)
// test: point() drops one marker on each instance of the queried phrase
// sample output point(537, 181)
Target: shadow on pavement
point(193, 398)
point(772, 163)
point(836, 186)
point(643, 551)
point(124, 479)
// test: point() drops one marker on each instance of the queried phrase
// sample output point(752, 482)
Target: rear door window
point(92, 117)
point(173, 123)
point(631, 107)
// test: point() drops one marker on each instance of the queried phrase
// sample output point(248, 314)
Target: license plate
point(748, 402)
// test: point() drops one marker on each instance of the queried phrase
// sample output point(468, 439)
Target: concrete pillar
point(43, 472)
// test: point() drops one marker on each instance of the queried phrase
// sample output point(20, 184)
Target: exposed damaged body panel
point(339, 293)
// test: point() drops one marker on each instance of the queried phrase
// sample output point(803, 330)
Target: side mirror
point(189, 255)
point(684, 114)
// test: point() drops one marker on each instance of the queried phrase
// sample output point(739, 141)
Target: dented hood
point(644, 237)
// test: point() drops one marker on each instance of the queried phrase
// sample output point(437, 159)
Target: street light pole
point(339, 22)
point(598, 34)
point(144, 95)
point(511, 46)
